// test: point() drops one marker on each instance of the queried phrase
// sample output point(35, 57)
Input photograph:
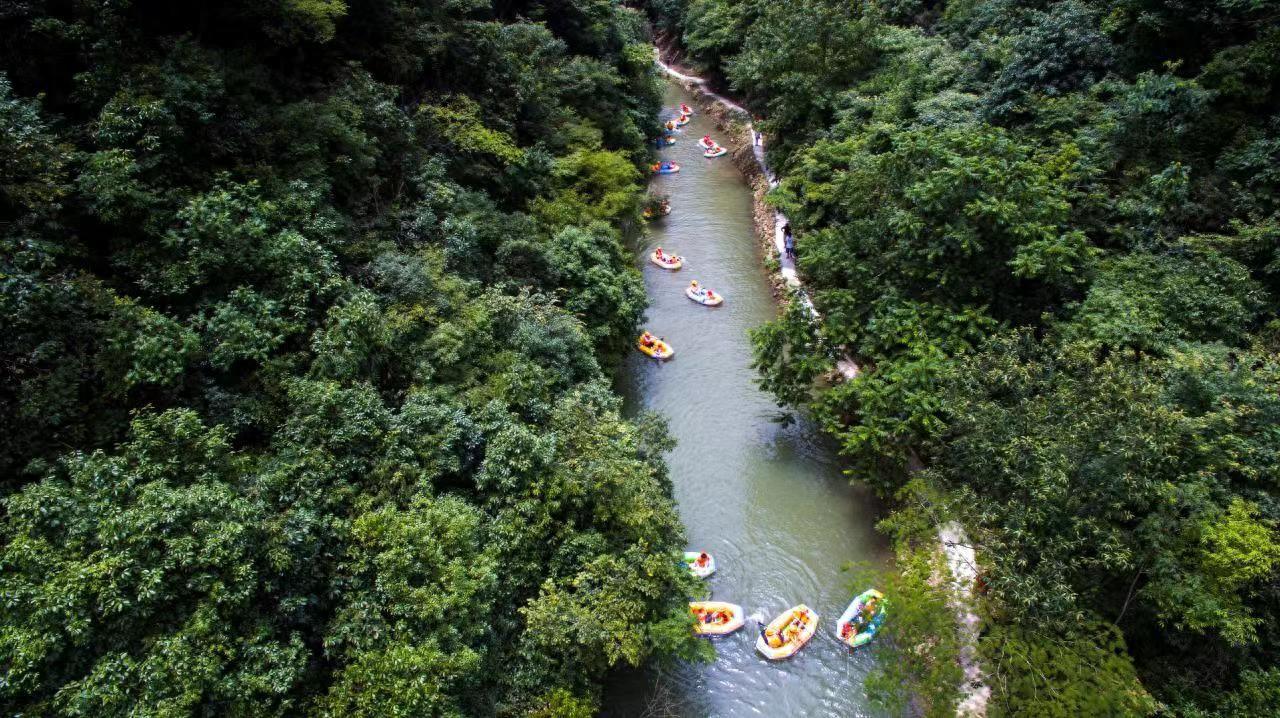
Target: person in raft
point(862, 620)
point(706, 140)
point(661, 257)
point(702, 560)
point(646, 339)
point(772, 638)
point(694, 286)
point(868, 612)
point(793, 629)
point(715, 617)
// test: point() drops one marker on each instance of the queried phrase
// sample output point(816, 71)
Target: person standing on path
point(788, 241)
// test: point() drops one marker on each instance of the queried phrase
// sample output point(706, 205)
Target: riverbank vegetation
point(1048, 230)
point(307, 308)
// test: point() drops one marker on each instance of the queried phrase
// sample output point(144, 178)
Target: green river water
point(768, 501)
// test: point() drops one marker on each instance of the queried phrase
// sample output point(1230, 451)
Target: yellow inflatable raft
point(657, 348)
point(716, 618)
point(667, 261)
point(788, 633)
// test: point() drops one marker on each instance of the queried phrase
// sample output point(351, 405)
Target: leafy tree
point(1087, 672)
point(917, 647)
point(306, 309)
point(1046, 233)
point(797, 57)
point(139, 582)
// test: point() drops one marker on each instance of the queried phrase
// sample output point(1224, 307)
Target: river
point(768, 500)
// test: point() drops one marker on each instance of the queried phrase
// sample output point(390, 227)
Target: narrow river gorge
point(768, 500)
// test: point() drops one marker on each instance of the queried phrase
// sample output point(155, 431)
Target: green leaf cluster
point(1046, 232)
point(308, 311)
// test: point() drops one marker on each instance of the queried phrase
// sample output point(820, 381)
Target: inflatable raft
point(716, 618)
point(684, 120)
point(669, 140)
point(685, 109)
point(703, 571)
point(668, 261)
point(790, 631)
point(658, 350)
point(705, 144)
point(705, 297)
point(860, 630)
point(716, 151)
point(668, 168)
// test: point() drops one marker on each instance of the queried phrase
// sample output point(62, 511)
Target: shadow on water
point(768, 498)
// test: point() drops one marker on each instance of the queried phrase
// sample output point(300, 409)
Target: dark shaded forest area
point(308, 307)
point(1049, 232)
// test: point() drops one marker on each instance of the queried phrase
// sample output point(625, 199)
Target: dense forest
point(308, 310)
point(1050, 234)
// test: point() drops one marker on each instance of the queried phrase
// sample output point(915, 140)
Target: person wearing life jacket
point(685, 109)
point(772, 638)
point(646, 339)
point(658, 253)
point(706, 140)
point(868, 612)
point(846, 631)
point(694, 286)
point(703, 558)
